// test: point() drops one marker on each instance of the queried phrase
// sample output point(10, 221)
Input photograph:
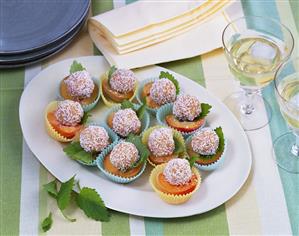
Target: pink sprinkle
point(124, 155)
point(69, 113)
point(125, 121)
point(80, 84)
point(177, 171)
point(160, 142)
point(186, 107)
point(163, 91)
point(94, 139)
point(123, 81)
point(205, 142)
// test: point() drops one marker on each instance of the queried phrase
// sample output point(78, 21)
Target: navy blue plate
point(33, 57)
point(30, 25)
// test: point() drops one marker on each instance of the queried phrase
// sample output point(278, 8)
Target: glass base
point(251, 117)
point(285, 153)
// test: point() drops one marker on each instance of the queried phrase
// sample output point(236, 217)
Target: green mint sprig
point(76, 152)
point(76, 66)
point(88, 200)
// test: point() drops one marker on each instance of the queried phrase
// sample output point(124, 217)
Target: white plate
point(136, 198)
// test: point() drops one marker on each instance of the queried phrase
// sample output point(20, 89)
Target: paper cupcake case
point(110, 176)
point(51, 131)
point(139, 94)
point(90, 106)
point(108, 102)
point(112, 136)
point(213, 166)
point(145, 121)
point(176, 135)
point(172, 198)
point(165, 110)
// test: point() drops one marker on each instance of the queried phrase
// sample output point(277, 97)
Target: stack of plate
point(31, 31)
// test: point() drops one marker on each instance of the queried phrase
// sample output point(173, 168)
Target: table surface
point(267, 203)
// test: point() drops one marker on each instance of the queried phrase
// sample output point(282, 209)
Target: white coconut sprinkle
point(177, 171)
point(124, 155)
point(69, 113)
point(80, 84)
point(160, 142)
point(163, 91)
point(125, 121)
point(186, 107)
point(205, 142)
point(123, 81)
point(94, 139)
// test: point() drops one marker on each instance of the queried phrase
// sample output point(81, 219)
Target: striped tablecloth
point(268, 203)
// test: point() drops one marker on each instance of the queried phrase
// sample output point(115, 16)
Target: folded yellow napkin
point(145, 23)
point(187, 41)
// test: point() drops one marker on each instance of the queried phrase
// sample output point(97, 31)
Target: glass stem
point(247, 107)
point(295, 147)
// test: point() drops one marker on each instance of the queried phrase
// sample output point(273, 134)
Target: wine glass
point(255, 47)
point(286, 147)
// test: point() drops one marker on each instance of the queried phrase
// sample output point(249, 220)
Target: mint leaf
point(92, 204)
point(76, 152)
point(85, 118)
point(205, 110)
point(142, 149)
point(179, 147)
point(167, 75)
point(127, 104)
point(64, 194)
point(47, 223)
point(51, 188)
point(76, 66)
point(111, 71)
point(192, 160)
point(220, 134)
point(141, 110)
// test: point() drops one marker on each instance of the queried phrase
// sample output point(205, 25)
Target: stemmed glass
point(255, 47)
point(286, 147)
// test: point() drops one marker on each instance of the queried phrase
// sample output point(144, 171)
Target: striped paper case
point(267, 203)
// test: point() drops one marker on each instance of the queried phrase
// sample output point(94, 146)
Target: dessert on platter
point(156, 92)
point(124, 161)
point(79, 86)
point(64, 119)
point(187, 114)
point(175, 181)
point(128, 118)
point(122, 145)
point(92, 140)
point(164, 144)
point(208, 147)
point(118, 85)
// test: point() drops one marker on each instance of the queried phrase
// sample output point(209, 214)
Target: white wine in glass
point(289, 90)
point(255, 47)
point(286, 147)
point(255, 61)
